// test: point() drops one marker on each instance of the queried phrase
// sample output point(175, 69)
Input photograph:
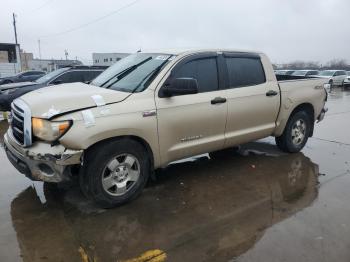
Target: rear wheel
point(8, 82)
point(115, 172)
point(296, 132)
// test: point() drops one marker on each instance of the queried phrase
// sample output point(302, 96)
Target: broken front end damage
point(42, 161)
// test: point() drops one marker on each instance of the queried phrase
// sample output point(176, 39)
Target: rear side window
point(90, 75)
point(244, 71)
point(71, 77)
point(36, 73)
point(204, 70)
point(312, 73)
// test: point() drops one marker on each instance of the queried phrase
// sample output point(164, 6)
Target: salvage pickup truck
point(150, 109)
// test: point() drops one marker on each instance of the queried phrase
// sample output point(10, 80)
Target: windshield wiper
point(125, 72)
point(150, 76)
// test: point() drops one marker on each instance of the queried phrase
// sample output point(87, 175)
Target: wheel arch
point(308, 108)
point(138, 139)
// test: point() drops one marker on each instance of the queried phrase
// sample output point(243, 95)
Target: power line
point(41, 6)
point(93, 21)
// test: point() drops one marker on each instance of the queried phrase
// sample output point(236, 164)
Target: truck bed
point(292, 77)
point(306, 91)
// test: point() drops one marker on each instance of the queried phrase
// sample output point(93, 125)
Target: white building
point(107, 59)
point(49, 65)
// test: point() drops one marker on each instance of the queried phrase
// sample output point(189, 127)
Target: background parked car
point(305, 73)
point(336, 77)
point(22, 77)
point(347, 80)
point(10, 92)
point(284, 72)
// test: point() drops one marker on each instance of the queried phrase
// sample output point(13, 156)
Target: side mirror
point(181, 86)
point(57, 82)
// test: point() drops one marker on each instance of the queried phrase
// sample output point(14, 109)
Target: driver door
point(192, 124)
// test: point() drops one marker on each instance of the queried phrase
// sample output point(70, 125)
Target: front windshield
point(132, 74)
point(299, 73)
point(348, 73)
point(327, 73)
point(50, 75)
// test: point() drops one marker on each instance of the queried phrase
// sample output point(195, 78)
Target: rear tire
point(296, 133)
point(115, 172)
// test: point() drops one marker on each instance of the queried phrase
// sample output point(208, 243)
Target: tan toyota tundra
point(150, 109)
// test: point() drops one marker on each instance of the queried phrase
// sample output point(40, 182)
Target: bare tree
point(339, 64)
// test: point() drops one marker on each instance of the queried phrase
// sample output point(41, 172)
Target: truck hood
point(16, 85)
point(56, 100)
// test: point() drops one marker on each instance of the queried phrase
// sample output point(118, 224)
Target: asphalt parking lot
point(255, 205)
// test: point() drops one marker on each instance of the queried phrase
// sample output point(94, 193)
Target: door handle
point(271, 93)
point(218, 100)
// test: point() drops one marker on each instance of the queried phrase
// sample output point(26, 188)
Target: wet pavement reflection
point(255, 205)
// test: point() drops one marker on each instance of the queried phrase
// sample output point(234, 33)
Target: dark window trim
point(188, 59)
point(241, 55)
point(74, 70)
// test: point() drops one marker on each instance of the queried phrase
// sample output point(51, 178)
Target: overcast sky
point(286, 30)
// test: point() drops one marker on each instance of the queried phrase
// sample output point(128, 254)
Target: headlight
point(49, 130)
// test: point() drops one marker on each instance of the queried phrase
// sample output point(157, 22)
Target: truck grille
point(21, 123)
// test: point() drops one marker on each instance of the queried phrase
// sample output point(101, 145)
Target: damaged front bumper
point(42, 161)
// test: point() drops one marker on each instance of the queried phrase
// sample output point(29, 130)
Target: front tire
point(115, 172)
point(296, 133)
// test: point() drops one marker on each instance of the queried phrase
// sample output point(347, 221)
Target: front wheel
point(115, 172)
point(296, 133)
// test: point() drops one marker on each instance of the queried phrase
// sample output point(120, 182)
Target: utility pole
point(39, 49)
point(14, 26)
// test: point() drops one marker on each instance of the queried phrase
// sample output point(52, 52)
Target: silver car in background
point(347, 80)
point(336, 77)
point(305, 73)
point(284, 72)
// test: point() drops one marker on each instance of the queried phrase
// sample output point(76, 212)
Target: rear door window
point(71, 77)
point(204, 70)
point(244, 71)
point(90, 75)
